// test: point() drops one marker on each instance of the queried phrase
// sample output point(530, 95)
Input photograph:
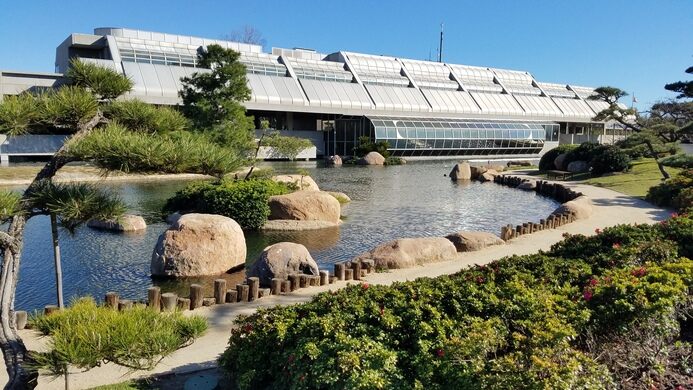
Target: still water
point(413, 200)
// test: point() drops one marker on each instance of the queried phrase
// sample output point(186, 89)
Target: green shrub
point(9, 204)
point(140, 116)
point(18, 113)
point(285, 146)
point(609, 158)
point(586, 151)
point(546, 161)
point(245, 201)
point(670, 193)
point(87, 335)
point(681, 160)
point(366, 146)
point(392, 160)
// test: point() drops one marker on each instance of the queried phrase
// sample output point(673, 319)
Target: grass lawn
point(642, 175)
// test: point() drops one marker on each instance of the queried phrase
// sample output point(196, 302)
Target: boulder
point(294, 225)
point(489, 175)
point(530, 185)
point(333, 160)
point(305, 206)
point(580, 207)
point(475, 172)
point(559, 160)
point(199, 244)
point(340, 196)
point(173, 217)
point(410, 252)
point(461, 171)
point(302, 182)
point(577, 166)
point(281, 260)
point(372, 158)
point(473, 241)
point(497, 168)
point(126, 223)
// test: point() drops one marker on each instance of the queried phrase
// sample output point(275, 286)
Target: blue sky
point(636, 45)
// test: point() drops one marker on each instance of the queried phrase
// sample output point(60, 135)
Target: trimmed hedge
point(676, 192)
point(547, 320)
point(546, 161)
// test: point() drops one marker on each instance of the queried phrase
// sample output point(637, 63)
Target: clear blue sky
point(635, 45)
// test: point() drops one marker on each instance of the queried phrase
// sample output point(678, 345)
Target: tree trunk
point(13, 349)
point(665, 174)
point(257, 151)
point(56, 257)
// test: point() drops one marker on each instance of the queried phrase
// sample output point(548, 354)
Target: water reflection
point(413, 200)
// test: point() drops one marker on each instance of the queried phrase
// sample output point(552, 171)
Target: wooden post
point(50, 309)
point(356, 266)
point(303, 280)
point(503, 233)
point(112, 300)
point(154, 298)
point(220, 291)
point(348, 274)
point(286, 286)
point(324, 277)
point(254, 286)
point(264, 292)
point(231, 296)
point(295, 281)
point(196, 296)
point(183, 304)
point(20, 319)
point(369, 264)
point(314, 280)
point(276, 286)
point(169, 301)
point(339, 271)
point(242, 292)
point(124, 304)
point(333, 279)
point(518, 230)
point(208, 301)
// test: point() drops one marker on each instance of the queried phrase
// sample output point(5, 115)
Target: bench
point(556, 174)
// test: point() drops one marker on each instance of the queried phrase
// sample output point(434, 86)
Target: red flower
point(593, 282)
point(248, 328)
point(382, 311)
point(597, 230)
point(587, 294)
point(440, 353)
point(674, 215)
point(640, 272)
point(616, 246)
point(480, 279)
point(364, 286)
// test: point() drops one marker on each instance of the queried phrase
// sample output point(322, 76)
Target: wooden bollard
point(208, 301)
point(369, 265)
point(314, 280)
point(324, 277)
point(154, 298)
point(242, 291)
point(295, 280)
point(220, 291)
point(196, 296)
point(356, 266)
point(111, 300)
point(124, 304)
point(504, 233)
point(363, 273)
point(20, 319)
point(50, 309)
point(333, 279)
point(231, 296)
point(276, 286)
point(518, 230)
point(254, 286)
point(349, 274)
point(169, 301)
point(339, 271)
point(264, 292)
point(183, 304)
point(302, 281)
point(286, 286)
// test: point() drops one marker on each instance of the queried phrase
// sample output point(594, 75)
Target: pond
point(413, 200)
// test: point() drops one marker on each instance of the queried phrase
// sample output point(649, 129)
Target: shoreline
point(611, 208)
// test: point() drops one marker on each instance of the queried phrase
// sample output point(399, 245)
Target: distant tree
point(247, 34)
point(683, 88)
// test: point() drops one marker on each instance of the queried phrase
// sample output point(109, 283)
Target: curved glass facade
point(446, 137)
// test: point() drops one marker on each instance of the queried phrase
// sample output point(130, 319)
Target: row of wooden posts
point(556, 191)
point(248, 291)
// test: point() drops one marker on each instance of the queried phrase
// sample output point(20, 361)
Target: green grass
point(129, 385)
point(642, 175)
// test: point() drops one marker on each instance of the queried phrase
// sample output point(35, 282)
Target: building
point(421, 108)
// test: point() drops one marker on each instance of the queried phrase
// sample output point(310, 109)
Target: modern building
point(421, 108)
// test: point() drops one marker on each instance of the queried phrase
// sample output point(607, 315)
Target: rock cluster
point(126, 223)
point(281, 260)
point(372, 158)
point(409, 252)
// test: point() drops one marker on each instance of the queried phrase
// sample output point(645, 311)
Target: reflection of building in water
point(420, 108)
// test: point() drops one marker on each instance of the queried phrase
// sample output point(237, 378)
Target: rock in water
point(473, 241)
point(410, 252)
point(372, 158)
point(476, 172)
point(282, 259)
point(199, 244)
point(334, 160)
point(126, 223)
point(461, 171)
point(302, 182)
point(305, 206)
point(530, 185)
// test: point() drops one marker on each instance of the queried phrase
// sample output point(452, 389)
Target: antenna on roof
point(440, 46)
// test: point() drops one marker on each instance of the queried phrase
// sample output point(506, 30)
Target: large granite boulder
point(581, 207)
point(333, 160)
point(126, 223)
point(559, 161)
point(497, 168)
point(410, 252)
point(281, 260)
point(302, 182)
point(473, 241)
point(476, 171)
point(577, 166)
point(199, 244)
point(461, 171)
point(489, 175)
point(372, 158)
point(305, 206)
